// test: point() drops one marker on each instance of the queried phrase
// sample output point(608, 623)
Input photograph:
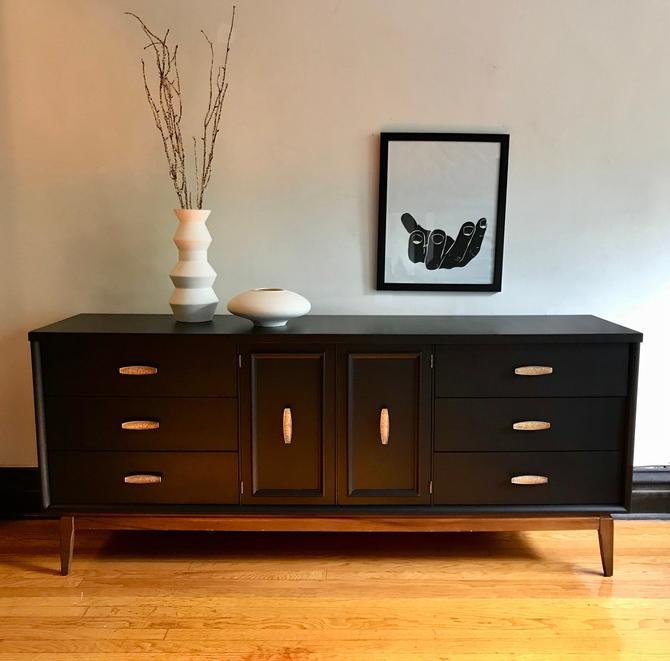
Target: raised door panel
point(384, 427)
point(287, 426)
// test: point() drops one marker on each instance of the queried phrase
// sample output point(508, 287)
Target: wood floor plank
point(256, 652)
point(300, 597)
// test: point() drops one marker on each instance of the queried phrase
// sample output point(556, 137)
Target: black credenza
point(336, 423)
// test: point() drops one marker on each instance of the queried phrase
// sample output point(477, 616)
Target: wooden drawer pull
point(531, 425)
point(140, 425)
point(533, 370)
point(141, 478)
point(137, 370)
point(287, 426)
point(530, 479)
point(384, 426)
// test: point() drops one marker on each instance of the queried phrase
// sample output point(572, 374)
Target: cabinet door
point(287, 426)
point(384, 425)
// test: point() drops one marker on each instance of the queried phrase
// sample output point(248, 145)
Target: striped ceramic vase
point(193, 299)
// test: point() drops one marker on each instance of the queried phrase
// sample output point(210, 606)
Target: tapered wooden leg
point(606, 540)
point(66, 543)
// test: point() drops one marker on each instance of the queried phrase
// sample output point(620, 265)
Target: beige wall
point(581, 85)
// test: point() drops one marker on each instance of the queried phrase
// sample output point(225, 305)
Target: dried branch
point(210, 126)
point(167, 111)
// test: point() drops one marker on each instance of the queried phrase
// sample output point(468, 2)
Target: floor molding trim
point(651, 490)
point(20, 493)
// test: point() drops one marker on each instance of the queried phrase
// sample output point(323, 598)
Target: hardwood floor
point(343, 597)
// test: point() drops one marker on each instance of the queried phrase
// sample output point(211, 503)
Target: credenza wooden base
point(337, 523)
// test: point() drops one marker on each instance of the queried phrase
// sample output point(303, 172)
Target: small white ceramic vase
point(193, 299)
point(269, 307)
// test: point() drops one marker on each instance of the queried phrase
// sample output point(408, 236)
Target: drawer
point(471, 424)
point(179, 365)
point(98, 478)
point(578, 370)
point(484, 478)
point(141, 423)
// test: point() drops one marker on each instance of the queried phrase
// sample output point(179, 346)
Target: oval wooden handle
point(287, 426)
point(141, 478)
point(533, 370)
point(531, 425)
point(384, 426)
point(140, 425)
point(530, 479)
point(137, 370)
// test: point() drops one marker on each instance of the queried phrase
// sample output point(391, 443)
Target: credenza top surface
point(465, 329)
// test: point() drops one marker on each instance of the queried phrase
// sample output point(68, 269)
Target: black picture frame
point(496, 283)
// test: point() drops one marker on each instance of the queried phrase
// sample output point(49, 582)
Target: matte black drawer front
point(140, 365)
point(141, 423)
point(487, 424)
point(577, 370)
point(179, 478)
point(485, 478)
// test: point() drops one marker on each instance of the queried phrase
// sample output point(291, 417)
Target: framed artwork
point(442, 211)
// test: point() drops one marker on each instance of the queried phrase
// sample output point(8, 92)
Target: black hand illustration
point(418, 238)
point(476, 242)
point(437, 249)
